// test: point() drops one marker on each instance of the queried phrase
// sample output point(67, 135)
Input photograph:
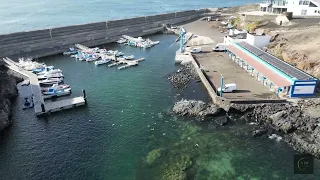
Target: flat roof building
point(279, 75)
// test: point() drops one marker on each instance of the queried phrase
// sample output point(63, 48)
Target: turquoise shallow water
point(128, 132)
point(21, 15)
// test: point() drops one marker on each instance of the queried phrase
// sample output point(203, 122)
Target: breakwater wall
point(52, 41)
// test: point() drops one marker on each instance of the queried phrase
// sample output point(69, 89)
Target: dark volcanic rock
point(259, 132)
point(222, 121)
point(195, 108)
point(181, 78)
point(302, 131)
point(8, 91)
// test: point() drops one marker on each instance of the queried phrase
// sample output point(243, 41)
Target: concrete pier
point(45, 42)
point(40, 106)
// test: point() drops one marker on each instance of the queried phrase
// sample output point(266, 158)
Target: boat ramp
point(40, 106)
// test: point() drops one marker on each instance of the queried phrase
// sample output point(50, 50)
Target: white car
point(228, 88)
point(196, 50)
point(219, 47)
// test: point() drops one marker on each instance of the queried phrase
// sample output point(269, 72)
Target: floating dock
point(40, 106)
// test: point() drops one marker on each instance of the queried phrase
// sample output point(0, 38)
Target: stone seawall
point(46, 42)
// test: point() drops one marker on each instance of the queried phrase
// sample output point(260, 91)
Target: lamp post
point(221, 85)
point(182, 37)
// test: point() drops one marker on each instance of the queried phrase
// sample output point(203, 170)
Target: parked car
point(228, 88)
point(196, 50)
point(220, 47)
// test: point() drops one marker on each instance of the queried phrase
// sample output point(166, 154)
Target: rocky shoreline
point(8, 92)
point(182, 77)
point(297, 122)
point(299, 128)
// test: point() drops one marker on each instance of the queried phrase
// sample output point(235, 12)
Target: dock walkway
point(40, 106)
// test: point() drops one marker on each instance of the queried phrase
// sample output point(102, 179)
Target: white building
point(297, 7)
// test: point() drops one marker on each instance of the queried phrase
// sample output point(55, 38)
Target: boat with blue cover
point(53, 92)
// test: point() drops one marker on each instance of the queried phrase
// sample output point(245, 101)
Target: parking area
point(218, 63)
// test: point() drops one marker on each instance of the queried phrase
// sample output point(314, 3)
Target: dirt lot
point(217, 63)
point(204, 28)
point(300, 48)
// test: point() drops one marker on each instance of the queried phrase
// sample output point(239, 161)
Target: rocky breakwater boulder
point(299, 122)
point(8, 91)
point(200, 109)
point(182, 77)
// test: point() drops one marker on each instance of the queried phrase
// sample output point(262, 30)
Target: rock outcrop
point(300, 122)
point(8, 91)
point(195, 108)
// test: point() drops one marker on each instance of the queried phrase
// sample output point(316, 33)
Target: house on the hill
point(297, 7)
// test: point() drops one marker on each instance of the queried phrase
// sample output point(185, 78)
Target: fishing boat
point(119, 54)
point(42, 69)
point(92, 58)
point(103, 61)
point(56, 93)
point(121, 41)
point(128, 57)
point(70, 51)
point(111, 52)
point(56, 87)
point(52, 71)
point(50, 81)
point(50, 75)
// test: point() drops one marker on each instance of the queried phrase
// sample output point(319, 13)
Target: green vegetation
point(252, 26)
point(236, 22)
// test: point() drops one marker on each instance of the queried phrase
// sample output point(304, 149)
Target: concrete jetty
point(40, 106)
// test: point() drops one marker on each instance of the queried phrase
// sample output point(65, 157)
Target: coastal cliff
point(8, 92)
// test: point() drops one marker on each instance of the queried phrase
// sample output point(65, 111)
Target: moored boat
point(50, 81)
point(56, 93)
point(128, 57)
point(56, 87)
point(42, 69)
point(53, 71)
point(50, 75)
point(103, 61)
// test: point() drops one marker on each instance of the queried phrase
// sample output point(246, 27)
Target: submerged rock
point(153, 156)
point(195, 108)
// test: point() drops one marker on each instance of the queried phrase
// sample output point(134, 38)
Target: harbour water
point(19, 15)
point(128, 132)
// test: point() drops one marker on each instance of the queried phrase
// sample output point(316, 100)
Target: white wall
point(258, 41)
point(304, 89)
point(293, 6)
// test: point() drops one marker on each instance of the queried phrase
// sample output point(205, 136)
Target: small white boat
point(50, 81)
point(53, 71)
point(128, 57)
point(92, 58)
point(50, 75)
point(103, 61)
point(119, 54)
point(121, 41)
point(56, 87)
